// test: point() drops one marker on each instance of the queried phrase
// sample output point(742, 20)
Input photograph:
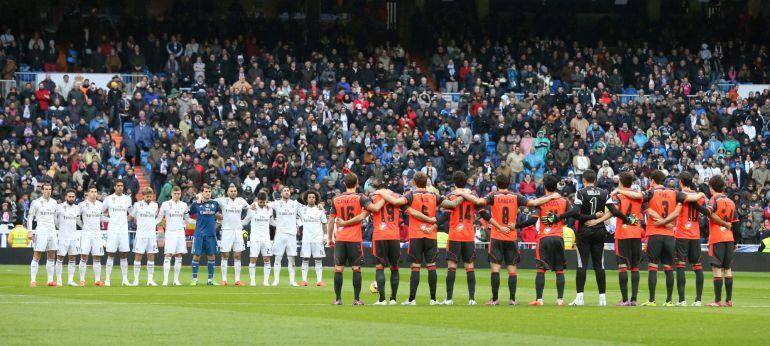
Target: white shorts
point(175, 243)
point(285, 244)
point(315, 250)
point(68, 247)
point(232, 241)
point(46, 241)
point(92, 244)
point(260, 247)
point(145, 245)
point(117, 242)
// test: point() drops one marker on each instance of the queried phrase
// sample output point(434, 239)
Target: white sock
point(82, 269)
point(224, 270)
point(49, 269)
point(252, 271)
point(58, 270)
point(291, 269)
point(237, 269)
point(33, 266)
point(177, 268)
point(166, 268)
point(319, 270)
point(70, 271)
point(602, 296)
point(266, 270)
point(150, 270)
point(137, 269)
point(579, 296)
point(305, 265)
point(98, 270)
point(124, 268)
point(277, 268)
point(108, 269)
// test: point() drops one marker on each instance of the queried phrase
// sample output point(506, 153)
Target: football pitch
point(294, 315)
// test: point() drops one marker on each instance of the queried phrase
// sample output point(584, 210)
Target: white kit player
point(314, 224)
point(260, 217)
point(91, 238)
point(43, 211)
point(145, 213)
point(285, 243)
point(67, 214)
point(174, 211)
point(232, 232)
point(117, 206)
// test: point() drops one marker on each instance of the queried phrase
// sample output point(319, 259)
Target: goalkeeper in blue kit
point(207, 212)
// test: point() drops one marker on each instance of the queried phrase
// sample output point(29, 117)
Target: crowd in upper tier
point(260, 114)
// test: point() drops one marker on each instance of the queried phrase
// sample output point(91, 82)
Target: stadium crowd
point(236, 110)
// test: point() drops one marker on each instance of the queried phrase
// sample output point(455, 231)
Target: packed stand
point(231, 111)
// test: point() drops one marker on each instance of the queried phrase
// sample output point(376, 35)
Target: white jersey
point(91, 214)
point(145, 216)
point(118, 208)
point(231, 212)
point(313, 219)
point(286, 216)
point(260, 223)
point(68, 221)
point(44, 212)
point(175, 214)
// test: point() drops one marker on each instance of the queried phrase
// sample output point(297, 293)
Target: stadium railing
point(129, 79)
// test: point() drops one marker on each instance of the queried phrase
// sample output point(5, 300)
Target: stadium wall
point(744, 261)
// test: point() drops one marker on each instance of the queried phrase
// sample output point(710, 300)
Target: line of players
point(67, 230)
point(672, 229)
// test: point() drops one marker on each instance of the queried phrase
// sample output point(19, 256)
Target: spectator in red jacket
point(527, 187)
point(43, 97)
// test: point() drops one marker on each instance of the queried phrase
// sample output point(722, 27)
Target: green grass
point(283, 315)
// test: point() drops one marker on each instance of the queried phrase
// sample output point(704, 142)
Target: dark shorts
point(423, 250)
point(661, 249)
point(348, 253)
point(465, 250)
point(504, 252)
point(386, 252)
point(205, 245)
point(589, 245)
point(629, 252)
point(722, 254)
point(550, 253)
point(688, 251)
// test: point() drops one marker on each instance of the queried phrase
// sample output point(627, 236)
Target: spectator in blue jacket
point(143, 133)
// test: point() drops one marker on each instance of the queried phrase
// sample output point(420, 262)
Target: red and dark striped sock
point(681, 281)
point(698, 269)
point(560, 284)
point(338, 283)
point(635, 279)
point(395, 279)
point(495, 284)
point(717, 289)
point(512, 282)
point(357, 283)
point(652, 281)
point(623, 281)
point(432, 281)
point(471, 279)
point(539, 283)
point(450, 282)
point(728, 288)
point(414, 282)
